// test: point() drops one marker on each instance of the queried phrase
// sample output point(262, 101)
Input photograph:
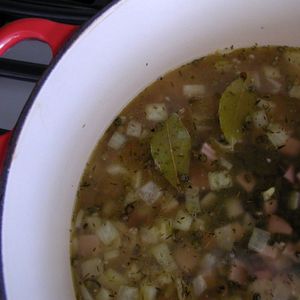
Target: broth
point(193, 191)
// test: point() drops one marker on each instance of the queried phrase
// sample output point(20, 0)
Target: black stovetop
point(17, 78)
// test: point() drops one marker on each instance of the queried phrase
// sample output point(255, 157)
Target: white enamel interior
point(103, 70)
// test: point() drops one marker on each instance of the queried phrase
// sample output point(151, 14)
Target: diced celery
point(91, 267)
point(183, 221)
point(128, 293)
point(192, 203)
point(163, 256)
point(104, 294)
point(148, 292)
point(219, 180)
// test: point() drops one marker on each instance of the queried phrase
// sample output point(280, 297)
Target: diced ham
point(278, 225)
point(209, 152)
point(88, 245)
point(263, 274)
point(291, 147)
point(246, 180)
point(270, 251)
point(290, 174)
point(270, 206)
point(238, 273)
point(199, 176)
point(186, 258)
point(291, 250)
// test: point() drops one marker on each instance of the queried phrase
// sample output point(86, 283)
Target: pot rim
point(21, 121)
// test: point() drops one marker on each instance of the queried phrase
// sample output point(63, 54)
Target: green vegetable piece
point(236, 103)
point(171, 148)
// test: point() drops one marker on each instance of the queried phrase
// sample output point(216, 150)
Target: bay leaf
point(171, 149)
point(236, 103)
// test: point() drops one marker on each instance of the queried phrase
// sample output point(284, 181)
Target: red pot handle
point(53, 33)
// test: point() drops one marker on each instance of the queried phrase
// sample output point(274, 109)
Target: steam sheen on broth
point(194, 190)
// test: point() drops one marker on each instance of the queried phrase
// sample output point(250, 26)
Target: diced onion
point(199, 285)
point(219, 180)
point(148, 292)
point(149, 235)
point(259, 240)
point(93, 222)
point(91, 267)
point(234, 208)
point(225, 163)
point(128, 293)
point(164, 227)
point(130, 197)
point(116, 169)
point(293, 57)
point(112, 254)
point(194, 90)
point(150, 192)
point(104, 294)
point(113, 278)
point(192, 203)
point(85, 294)
point(208, 200)
point(133, 272)
point(183, 221)
point(225, 237)
point(107, 233)
point(277, 135)
point(294, 92)
point(117, 140)
point(137, 180)
point(271, 72)
point(134, 128)
point(156, 112)
point(163, 256)
point(260, 119)
point(79, 218)
point(269, 193)
point(294, 199)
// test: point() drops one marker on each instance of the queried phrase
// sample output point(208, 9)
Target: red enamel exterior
point(53, 33)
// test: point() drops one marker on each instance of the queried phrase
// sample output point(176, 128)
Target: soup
point(193, 191)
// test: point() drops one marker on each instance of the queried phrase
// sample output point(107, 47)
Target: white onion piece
point(116, 169)
point(199, 285)
point(79, 219)
point(163, 256)
point(183, 221)
point(134, 128)
point(91, 267)
point(112, 254)
point(259, 240)
point(85, 294)
point(260, 119)
point(268, 194)
point(277, 135)
point(149, 192)
point(128, 293)
point(192, 203)
point(107, 233)
point(117, 140)
point(219, 180)
point(104, 294)
point(294, 92)
point(148, 292)
point(194, 90)
point(156, 112)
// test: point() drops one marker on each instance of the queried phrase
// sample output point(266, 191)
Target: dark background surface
point(14, 93)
